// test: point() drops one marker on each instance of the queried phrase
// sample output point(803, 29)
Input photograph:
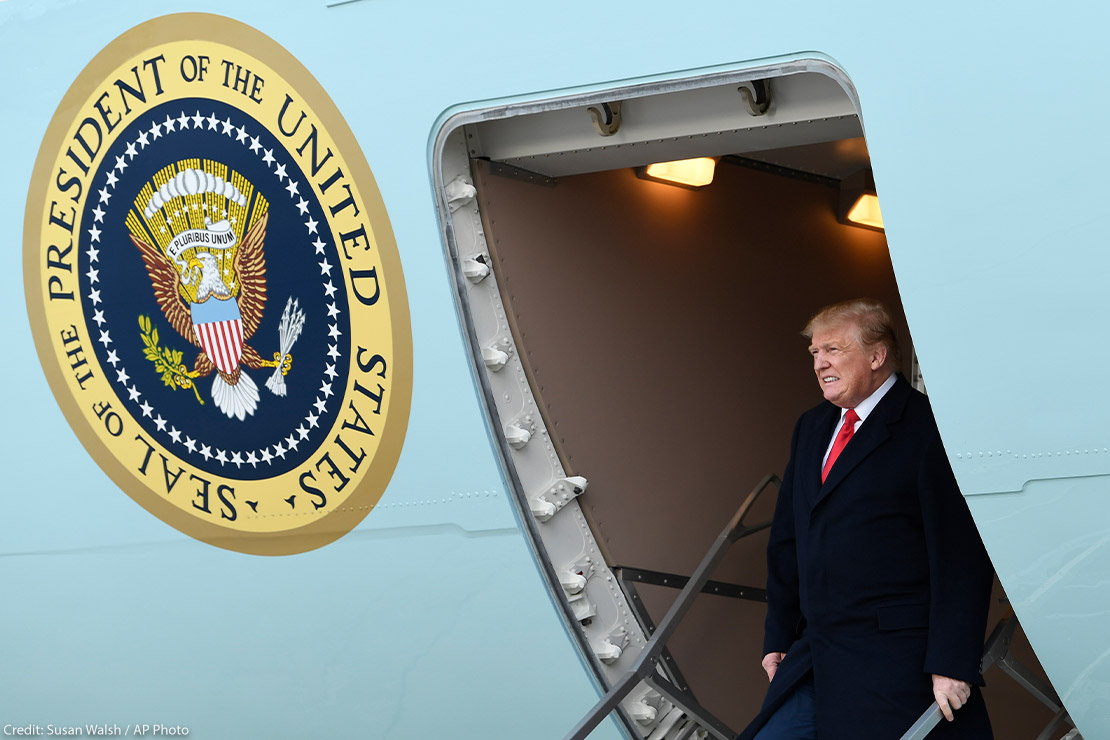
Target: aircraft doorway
point(638, 344)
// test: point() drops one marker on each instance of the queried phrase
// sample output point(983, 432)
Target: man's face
point(845, 369)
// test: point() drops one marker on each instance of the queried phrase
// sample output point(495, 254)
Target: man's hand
point(950, 693)
point(771, 664)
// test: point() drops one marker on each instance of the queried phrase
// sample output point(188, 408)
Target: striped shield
point(219, 327)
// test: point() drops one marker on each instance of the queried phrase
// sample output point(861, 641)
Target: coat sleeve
point(784, 615)
point(960, 573)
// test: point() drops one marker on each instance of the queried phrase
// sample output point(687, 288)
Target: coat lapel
point(873, 432)
point(824, 424)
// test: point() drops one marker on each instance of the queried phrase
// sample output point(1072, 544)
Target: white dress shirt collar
point(863, 410)
point(867, 405)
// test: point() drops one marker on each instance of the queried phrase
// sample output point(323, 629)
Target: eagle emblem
point(207, 267)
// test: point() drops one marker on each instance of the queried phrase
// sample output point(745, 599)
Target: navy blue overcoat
point(877, 578)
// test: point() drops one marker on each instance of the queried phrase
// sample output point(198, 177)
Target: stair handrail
point(646, 662)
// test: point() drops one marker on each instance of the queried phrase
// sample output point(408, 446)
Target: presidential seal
point(214, 288)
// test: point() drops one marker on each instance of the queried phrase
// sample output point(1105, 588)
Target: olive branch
point(166, 361)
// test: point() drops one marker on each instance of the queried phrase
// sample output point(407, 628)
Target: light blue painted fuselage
point(985, 125)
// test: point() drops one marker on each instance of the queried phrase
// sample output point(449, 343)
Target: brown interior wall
point(660, 327)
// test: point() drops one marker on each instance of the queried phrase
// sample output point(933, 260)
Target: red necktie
point(842, 437)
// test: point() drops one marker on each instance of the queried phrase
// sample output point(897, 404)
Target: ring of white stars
point(238, 458)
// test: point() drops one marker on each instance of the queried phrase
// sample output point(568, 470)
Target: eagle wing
point(250, 265)
point(167, 289)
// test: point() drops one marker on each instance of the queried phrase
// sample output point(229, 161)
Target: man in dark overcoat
point(878, 584)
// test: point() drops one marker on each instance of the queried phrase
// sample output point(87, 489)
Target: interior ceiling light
point(858, 203)
point(687, 173)
point(866, 211)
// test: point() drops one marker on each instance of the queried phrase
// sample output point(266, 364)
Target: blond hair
point(870, 319)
